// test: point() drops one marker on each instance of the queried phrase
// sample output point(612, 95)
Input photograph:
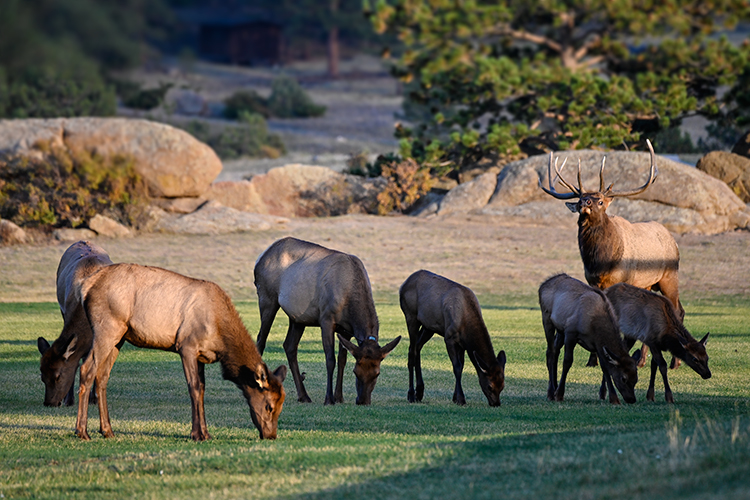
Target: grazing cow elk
point(614, 250)
point(434, 304)
point(158, 309)
point(316, 286)
point(575, 313)
point(60, 360)
point(651, 318)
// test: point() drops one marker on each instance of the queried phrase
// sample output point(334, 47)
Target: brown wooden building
point(241, 37)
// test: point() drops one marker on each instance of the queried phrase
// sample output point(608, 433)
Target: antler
point(575, 193)
point(651, 178)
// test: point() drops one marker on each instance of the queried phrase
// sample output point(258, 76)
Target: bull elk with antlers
point(614, 250)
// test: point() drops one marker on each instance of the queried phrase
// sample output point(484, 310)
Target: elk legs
point(293, 336)
point(456, 353)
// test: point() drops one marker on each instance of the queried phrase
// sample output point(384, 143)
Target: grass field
point(527, 448)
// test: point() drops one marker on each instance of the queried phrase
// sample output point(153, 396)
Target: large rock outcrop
point(300, 191)
point(213, 218)
point(731, 168)
point(682, 198)
point(173, 162)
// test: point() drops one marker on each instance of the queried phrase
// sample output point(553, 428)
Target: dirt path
point(490, 255)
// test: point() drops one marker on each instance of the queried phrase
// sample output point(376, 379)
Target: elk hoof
point(410, 397)
point(304, 399)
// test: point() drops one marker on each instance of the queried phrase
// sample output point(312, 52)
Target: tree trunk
point(333, 41)
point(333, 52)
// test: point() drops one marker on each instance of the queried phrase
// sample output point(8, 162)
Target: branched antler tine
point(651, 177)
point(565, 183)
point(551, 191)
point(601, 175)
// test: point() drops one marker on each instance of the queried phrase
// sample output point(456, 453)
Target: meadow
point(526, 448)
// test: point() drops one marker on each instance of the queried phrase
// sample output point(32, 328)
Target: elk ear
point(280, 373)
point(607, 200)
point(42, 345)
point(481, 364)
point(261, 376)
point(70, 349)
point(573, 207)
point(609, 357)
point(349, 346)
point(705, 339)
point(385, 350)
point(501, 359)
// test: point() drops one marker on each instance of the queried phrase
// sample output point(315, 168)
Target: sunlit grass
point(527, 448)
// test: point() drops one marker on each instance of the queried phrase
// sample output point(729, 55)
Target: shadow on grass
point(556, 465)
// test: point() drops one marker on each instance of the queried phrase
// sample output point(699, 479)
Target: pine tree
point(503, 79)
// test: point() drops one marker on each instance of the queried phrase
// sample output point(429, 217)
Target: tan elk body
point(154, 308)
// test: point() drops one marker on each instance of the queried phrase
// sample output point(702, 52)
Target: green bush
point(145, 99)
point(49, 97)
point(289, 100)
point(250, 137)
point(248, 101)
point(65, 189)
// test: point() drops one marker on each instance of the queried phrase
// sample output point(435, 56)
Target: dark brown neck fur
point(600, 244)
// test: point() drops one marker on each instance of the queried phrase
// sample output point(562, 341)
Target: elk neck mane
point(239, 348)
point(601, 245)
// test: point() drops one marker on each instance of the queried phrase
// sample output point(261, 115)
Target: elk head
point(624, 373)
point(696, 356)
point(58, 375)
point(368, 356)
point(492, 378)
point(266, 399)
point(592, 206)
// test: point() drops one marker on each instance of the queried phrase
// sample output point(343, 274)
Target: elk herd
point(104, 305)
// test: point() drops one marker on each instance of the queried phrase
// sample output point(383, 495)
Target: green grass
point(527, 448)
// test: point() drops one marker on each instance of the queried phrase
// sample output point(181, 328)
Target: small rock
point(179, 205)
point(104, 226)
point(11, 234)
point(188, 102)
point(469, 196)
point(213, 218)
point(734, 169)
point(67, 234)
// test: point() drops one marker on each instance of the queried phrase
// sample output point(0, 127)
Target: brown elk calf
point(317, 286)
point(575, 313)
point(59, 362)
point(614, 250)
point(158, 309)
point(433, 304)
point(651, 318)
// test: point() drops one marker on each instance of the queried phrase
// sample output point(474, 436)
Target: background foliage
point(55, 54)
point(62, 188)
point(503, 79)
